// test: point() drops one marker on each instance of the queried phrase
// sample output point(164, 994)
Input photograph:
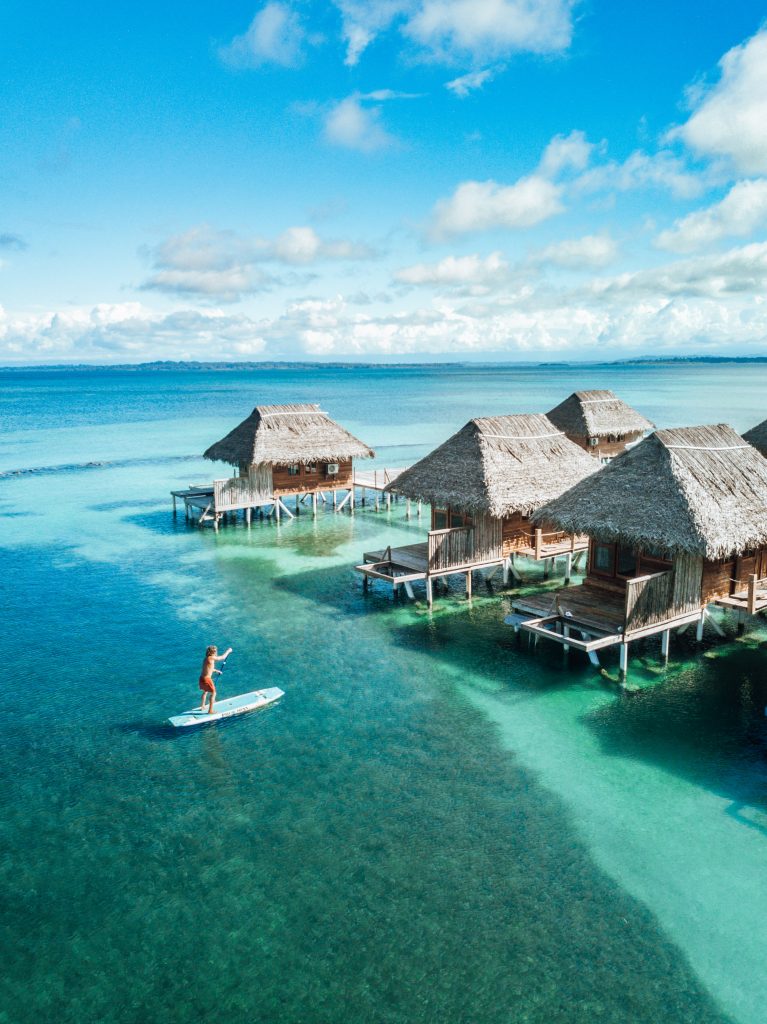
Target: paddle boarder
point(207, 685)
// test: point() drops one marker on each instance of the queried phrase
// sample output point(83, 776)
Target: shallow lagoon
point(435, 824)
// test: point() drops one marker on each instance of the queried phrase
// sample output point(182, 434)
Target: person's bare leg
point(202, 701)
point(212, 699)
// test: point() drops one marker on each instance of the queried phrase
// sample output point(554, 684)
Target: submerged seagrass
point(702, 490)
point(498, 464)
point(287, 434)
point(588, 414)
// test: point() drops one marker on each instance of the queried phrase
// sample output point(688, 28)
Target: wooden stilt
point(624, 659)
point(407, 509)
point(713, 623)
point(468, 584)
point(665, 641)
point(335, 498)
point(277, 504)
point(409, 590)
point(174, 505)
point(699, 629)
point(429, 593)
point(546, 568)
point(351, 500)
point(314, 504)
point(419, 509)
point(247, 516)
point(566, 633)
point(569, 567)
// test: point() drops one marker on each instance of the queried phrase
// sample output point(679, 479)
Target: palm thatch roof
point(498, 464)
point(287, 434)
point(702, 490)
point(757, 436)
point(597, 414)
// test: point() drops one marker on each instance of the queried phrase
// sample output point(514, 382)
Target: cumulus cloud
point(729, 118)
point(478, 29)
point(471, 273)
point(274, 36)
point(464, 85)
point(591, 252)
point(740, 272)
point(211, 263)
point(742, 211)
point(662, 170)
point(126, 331)
point(566, 153)
point(353, 124)
point(486, 205)
point(460, 30)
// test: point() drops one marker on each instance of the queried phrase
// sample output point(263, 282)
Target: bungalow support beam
point(665, 639)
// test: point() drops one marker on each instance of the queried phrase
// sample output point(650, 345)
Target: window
point(593, 442)
point(310, 469)
point(626, 562)
point(439, 519)
point(457, 519)
point(294, 470)
point(604, 559)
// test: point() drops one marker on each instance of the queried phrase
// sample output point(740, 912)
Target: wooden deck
point(595, 608)
point(414, 557)
point(376, 479)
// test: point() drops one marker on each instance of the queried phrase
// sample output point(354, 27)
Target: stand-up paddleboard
point(227, 708)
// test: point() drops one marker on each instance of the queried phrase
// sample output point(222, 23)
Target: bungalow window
point(458, 519)
point(294, 470)
point(604, 559)
point(626, 562)
point(593, 442)
point(439, 519)
point(310, 469)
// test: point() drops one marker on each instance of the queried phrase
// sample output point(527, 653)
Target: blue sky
point(407, 179)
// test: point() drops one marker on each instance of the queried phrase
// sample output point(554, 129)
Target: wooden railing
point(451, 548)
point(649, 600)
point(755, 585)
point(237, 492)
point(542, 540)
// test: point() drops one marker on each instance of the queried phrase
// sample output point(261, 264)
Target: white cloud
point(739, 272)
point(470, 272)
point(742, 211)
point(662, 170)
point(486, 205)
point(481, 29)
point(455, 30)
point(355, 126)
point(566, 152)
point(466, 84)
point(363, 20)
point(275, 36)
point(588, 253)
point(731, 116)
point(219, 264)
point(126, 332)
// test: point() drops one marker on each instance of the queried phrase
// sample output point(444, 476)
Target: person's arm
point(224, 656)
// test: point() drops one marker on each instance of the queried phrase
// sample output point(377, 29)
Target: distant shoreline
point(165, 366)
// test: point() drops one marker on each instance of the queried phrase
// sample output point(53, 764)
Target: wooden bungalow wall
point(284, 483)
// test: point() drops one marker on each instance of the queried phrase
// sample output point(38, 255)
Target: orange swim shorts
point(206, 684)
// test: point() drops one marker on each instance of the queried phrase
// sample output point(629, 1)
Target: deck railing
point(451, 548)
point(561, 540)
point(649, 600)
point(237, 492)
point(755, 585)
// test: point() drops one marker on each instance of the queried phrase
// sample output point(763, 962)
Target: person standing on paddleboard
point(207, 685)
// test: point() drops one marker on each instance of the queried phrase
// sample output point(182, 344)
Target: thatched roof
point(757, 436)
point(286, 434)
point(702, 490)
point(597, 414)
point(498, 464)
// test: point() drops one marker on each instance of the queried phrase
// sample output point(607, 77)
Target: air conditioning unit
point(332, 469)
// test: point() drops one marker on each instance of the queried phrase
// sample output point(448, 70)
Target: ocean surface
point(437, 824)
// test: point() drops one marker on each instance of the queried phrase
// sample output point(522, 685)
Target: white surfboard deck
point(229, 707)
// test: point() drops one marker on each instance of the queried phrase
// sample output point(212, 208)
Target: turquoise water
point(436, 823)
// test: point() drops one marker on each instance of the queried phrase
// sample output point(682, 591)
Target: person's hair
point(211, 650)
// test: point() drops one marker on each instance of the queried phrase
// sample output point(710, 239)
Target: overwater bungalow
point(483, 484)
point(757, 436)
point(675, 524)
point(600, 422)
point(281, 451)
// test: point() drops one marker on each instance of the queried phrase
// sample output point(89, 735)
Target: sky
point(395, 180)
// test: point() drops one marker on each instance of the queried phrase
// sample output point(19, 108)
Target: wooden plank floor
point(411, 556)
point(591, 606)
